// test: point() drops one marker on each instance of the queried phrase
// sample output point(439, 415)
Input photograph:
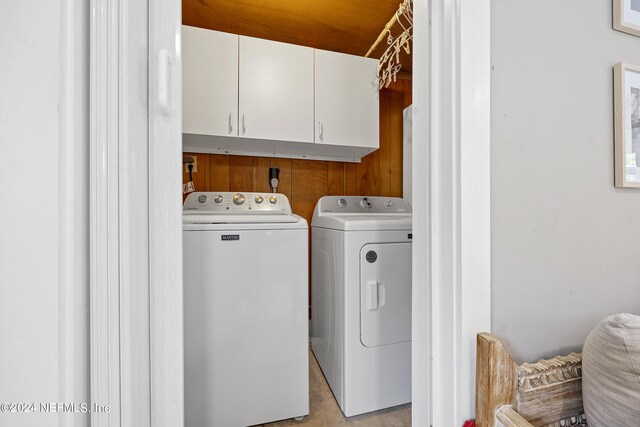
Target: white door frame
point(73, 292)
point(136, 253)
point(451, 205)
point(135, 213)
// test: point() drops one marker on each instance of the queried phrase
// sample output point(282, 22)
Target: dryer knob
point(238, 199)
point(365, 203)
point(342, 203)
point(202, 199)
point(273, 200)
point(388, 203)
point(218, 198)
point(259, 199)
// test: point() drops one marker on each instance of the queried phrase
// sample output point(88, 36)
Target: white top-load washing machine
point(245, 310)
point(361, 300)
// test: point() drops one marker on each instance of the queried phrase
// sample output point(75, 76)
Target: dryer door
point(385, 294)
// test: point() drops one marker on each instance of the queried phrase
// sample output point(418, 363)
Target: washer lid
point(353, 213)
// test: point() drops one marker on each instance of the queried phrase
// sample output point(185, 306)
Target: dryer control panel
point(362, 205)
point(236, 203)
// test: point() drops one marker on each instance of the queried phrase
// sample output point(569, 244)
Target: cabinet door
point(276, 91)
point(346, 100)
point(209, 82)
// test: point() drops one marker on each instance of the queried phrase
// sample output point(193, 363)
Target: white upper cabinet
point(209, 82)
point(346, 100)
point(276, 91)
point(248, 96)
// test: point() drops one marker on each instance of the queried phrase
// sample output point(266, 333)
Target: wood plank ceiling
point(347, 26)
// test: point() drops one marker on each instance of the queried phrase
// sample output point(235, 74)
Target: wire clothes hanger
point(389, 64)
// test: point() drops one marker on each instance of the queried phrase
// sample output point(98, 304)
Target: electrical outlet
point(195, 165)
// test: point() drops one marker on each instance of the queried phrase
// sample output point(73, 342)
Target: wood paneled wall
point(305, 181)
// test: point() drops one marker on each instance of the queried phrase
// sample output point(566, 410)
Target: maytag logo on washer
point(230, 237)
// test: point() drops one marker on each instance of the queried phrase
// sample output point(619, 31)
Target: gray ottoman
point(611, 373)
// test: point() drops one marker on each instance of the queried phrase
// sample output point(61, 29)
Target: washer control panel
point(363, 205)
point(226, 202)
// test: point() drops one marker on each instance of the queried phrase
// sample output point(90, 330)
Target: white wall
point(564, 240)
point(43, 282)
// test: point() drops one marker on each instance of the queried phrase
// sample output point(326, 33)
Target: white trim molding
point(420, 198)
point(104, 212)
point(474, 304)
point(73, 255)
point(451, 258)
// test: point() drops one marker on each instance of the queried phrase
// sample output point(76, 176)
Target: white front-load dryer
point(361, 300)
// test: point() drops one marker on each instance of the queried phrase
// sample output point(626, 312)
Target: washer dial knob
point(388, 203)
point(273, 200)
point(365, 203)
point(259, 199)
point(238, 199)
point(202, 199)
point(218, 198)
point(342, 203)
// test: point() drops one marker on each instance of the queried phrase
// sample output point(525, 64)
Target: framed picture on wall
point(627, 125)
point(626, 16)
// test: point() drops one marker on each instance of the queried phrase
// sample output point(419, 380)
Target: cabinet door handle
point(230, 123)
point(321, 130)
point(244, 127)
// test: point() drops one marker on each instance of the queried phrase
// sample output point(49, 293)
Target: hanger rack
point(389, 65)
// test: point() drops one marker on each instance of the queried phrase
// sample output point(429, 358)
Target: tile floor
point(325, 412)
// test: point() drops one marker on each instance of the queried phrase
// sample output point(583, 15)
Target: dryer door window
point(385, 294)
